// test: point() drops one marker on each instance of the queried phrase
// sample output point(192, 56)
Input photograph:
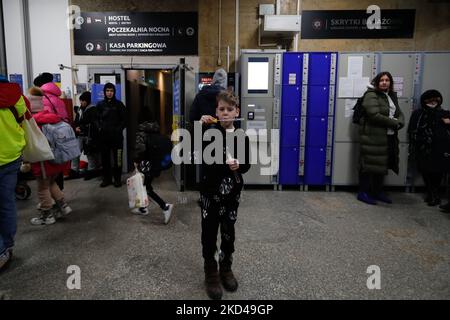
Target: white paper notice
point(345, 88)
point(106, 79)
point(355, 67)
point(360, 86)
point(398, 80)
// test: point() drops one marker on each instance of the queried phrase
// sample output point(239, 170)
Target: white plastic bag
point(137, 193)
point(37, 147)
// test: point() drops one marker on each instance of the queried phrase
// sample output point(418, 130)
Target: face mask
point(432, 105)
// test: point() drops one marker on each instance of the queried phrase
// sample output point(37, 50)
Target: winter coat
point(205, 102)
point(111, 119)
point(52, 102)
point(430, 139)
point(218, 179)
point(12, 136)
point(51, 169)
point(373, 136)
point(87, 121)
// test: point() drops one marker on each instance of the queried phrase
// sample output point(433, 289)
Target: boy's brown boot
point(212, 280)
point(229, 282)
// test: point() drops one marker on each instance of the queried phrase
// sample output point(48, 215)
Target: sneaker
point(364, 197)
point(383, 198)
point(44, 218)
point(168, 213)
point(5, 257)
point(142, 211)
point(61, 209)
point(117, 184)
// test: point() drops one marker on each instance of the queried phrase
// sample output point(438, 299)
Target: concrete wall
point(49, 35)
point(432, 25)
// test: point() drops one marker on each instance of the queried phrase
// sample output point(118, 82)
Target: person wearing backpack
point(429, 135)
point(51, 198)
point(379, 144)
point(152, 155)
point(111, 118)
point(13, 106)
point(53, 104)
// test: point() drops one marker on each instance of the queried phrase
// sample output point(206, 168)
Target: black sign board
point(352, 24)
point(137, 33)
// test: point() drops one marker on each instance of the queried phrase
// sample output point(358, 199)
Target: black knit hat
point(86, 96)
point(430, 94)
point(42, 79)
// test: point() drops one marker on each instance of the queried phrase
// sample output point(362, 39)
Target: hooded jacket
point(429, 136)
point(111, 118)
point(373, 138)
point(51, 169)
point(52, 102)
point(12, 134)
point(205, 102)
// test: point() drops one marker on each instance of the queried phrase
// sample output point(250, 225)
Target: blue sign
point(17, 78)
point(176, 97)
point(97, 93)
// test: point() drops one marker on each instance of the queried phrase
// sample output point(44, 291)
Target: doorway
point(149, 97)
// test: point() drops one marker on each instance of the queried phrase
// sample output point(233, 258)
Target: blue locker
point(291, 101)
point(319, 68)
point(290, 131)
point(318, 98)
point(315, 161)
point(316, 135)
point(289, 157)
point(292, 64)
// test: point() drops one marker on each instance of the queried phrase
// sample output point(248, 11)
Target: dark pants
point(432, 182)
point(8, 212)
point(152, 194)
point(60, 181)
point(114, 170)
point(371, 183)
point(218, 212)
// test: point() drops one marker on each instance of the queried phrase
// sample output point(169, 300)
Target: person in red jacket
point(46, 173)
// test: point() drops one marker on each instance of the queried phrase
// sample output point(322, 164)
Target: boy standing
point(221, 185)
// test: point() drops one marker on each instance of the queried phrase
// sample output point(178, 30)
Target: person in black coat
point(429, 133)
point(153, 155)
point(86, 128)
point(111, 119)
point(221, 185)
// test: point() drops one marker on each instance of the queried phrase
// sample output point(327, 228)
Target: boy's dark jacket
point(213, 175)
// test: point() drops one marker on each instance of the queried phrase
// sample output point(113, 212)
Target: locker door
point(292, 69)
point(316, 134)
point(290, 131)
point(436, 75)
point(291, 101)
point(288, 174)
point(315, 165)
point(318, 97)
point(319, 68)
point(402, 67)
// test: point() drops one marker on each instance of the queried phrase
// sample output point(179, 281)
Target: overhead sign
point(352, 24)
point(137, 33)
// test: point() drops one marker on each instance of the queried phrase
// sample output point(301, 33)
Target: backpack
point(62, 140)
point(358, 111)
point(158, 151)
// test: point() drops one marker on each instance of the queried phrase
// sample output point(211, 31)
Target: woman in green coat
point(379, 149)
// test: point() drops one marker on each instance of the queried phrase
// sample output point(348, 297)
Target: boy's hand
point(446, 120)
point(233, 164)
point(207, 119)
